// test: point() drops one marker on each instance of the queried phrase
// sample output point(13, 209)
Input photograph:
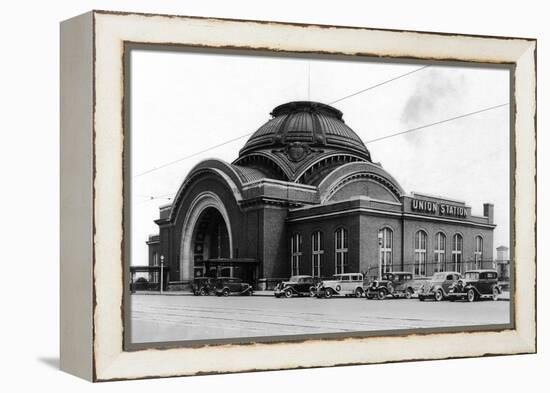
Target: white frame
point(92, 286)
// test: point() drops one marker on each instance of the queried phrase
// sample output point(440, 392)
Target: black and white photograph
point(274, 197)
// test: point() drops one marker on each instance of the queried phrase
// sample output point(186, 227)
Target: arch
point(355, 171)
point(201, 202)
point(273, 163)
point(215, 167)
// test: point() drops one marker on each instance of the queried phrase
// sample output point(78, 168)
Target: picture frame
point(93, 281)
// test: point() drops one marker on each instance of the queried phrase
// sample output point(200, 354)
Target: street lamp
point(380, 237)
point(161, 273)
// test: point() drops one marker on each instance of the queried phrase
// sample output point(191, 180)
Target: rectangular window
point(386, 249)
point(316, 253)
point(420, 253)
point(439, 252)
point(457, 252)
point(341, 250)
point(296, 253)
point(478, 252)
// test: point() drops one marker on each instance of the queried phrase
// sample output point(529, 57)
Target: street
point(157, 318)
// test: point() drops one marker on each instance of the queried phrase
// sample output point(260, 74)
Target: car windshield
point(293, 279)
point(439, 276)
point(336, 277)
point(471, 275)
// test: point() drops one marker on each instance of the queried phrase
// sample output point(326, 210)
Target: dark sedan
point(226, 286)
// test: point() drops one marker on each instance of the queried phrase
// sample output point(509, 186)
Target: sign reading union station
point(442, 209)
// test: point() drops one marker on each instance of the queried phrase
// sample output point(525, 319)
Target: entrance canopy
point(244, 268)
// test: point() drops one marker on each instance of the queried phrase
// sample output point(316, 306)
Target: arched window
point(341, 250)
point(386, 249)
point(296, 253)
point(478, 252)
point(457, 252)
point(420, 239)
point(439, 251)
point(316, 253)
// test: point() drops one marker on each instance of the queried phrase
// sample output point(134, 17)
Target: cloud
point(436, 92)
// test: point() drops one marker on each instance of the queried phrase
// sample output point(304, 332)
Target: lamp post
point(380, 237)
point(161, 273)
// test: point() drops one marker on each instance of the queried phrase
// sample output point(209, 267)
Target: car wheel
point(471, 295)
point(277, 296)
point(202, 292)
point(196, 293)
point(225, 292)
point(452, 299)
point(438, 296)
point(381, 294)
point(496, 292)
point(328, 293)
point(288, 293)
point(408, 293)
point(312, 292)
point(368, 296)
point(421, 298)
point(358, 292)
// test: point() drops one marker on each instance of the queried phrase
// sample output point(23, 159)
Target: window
point(439, 252)
point(386, 249)
point(457, 252)
point(316, 253)
point(341, 250)
point(296, 253)
point(154, 277)
point(478, 252)
point(420, 239)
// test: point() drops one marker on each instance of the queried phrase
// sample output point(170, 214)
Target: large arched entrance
point(206, 234)
point(210, 241)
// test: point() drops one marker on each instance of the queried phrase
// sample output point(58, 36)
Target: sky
point(184, 103)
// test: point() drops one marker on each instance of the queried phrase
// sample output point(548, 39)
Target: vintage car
point(394, 284)
point(203, 286)
point(347, 284)
point(475, 285)
point(438, 287)
point(296, 286)
point(226, 286)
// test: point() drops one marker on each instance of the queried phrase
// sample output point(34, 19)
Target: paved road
point(175, 318)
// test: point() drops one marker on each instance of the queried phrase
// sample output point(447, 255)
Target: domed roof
point(309, 124)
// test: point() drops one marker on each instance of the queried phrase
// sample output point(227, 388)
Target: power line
point(378, 84)
point(250, 133)
point(399, 133)
point(192, 155)
point(436, 123)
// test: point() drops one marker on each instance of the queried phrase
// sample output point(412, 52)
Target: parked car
point(347, 284)
point(475, 285)
point(296, 286)
point(203, 286)
point(394, 284)
point(226, 286)
point(438, 287)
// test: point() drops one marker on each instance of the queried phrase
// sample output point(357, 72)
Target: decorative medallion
point(297, 151)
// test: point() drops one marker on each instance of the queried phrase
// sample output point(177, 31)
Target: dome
point(301, 143)
point(306, 123)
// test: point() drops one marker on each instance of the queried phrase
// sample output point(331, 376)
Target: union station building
point(304, 197)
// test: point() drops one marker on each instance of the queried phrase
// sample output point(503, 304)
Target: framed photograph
point(250, 195)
